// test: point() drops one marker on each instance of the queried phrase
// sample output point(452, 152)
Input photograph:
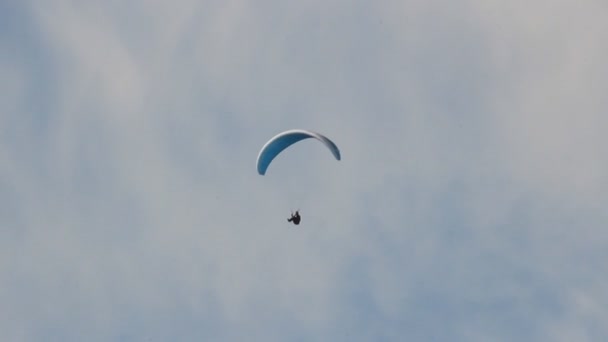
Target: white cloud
point(469, 194)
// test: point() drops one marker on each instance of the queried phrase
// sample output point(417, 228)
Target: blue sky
point(469, 204)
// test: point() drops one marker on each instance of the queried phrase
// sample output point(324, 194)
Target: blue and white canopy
point(285, 139)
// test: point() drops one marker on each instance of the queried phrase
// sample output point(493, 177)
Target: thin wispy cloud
point(468, 205)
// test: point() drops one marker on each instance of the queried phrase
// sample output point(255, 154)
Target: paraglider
point(295, 218)
point(283, 140)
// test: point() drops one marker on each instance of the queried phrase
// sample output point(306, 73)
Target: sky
point(469, 204)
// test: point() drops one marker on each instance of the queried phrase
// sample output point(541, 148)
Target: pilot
point(295, 218)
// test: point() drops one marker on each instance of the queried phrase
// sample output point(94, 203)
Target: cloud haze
point(469, 204)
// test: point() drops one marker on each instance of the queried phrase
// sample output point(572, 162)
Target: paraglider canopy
point(285, 139)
